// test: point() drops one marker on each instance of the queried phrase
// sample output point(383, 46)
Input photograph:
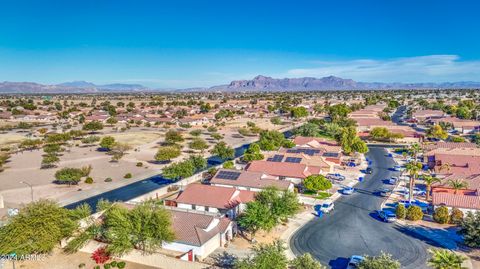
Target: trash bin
point(360, 179)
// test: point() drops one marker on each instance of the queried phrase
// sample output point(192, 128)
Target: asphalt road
point(353, 228)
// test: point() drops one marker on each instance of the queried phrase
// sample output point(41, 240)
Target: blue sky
point(203, 43)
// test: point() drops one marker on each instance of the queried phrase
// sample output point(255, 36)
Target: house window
point(207, 208)
point(194, 207)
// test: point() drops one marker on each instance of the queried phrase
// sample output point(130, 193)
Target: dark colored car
point(368, 170)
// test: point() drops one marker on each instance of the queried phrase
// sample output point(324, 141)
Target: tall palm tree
point(445, 259)
point(429, 180)
point(457, 184)
point(414, 150)
point(413, 168)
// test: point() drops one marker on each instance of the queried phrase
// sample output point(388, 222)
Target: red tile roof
point(456, 200)
point(449, 145)
point(190, 228)
point(214, 196)
point(251, 180)
point(293, 170)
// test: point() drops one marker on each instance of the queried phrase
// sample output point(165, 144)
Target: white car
point(327, 206)
point(354, 261)
point(398, 168)
point(348, 190)
point(393, 180)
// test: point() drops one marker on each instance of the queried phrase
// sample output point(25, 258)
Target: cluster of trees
point(436, 131)
point(382, 133)
point(273, 256)
point(273, 140)
point(224, 151)
point(269, 208)
point(116, 149)
point(186, 168)
point(253, 153)
point(317, 183)
point(298, 112)
point(464, 109)
point(72, 176)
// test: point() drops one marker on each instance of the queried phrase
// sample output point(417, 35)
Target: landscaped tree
point(470, 229)
point(441, 215)
point(413, 168)
point(93, 126)
point(436, 131)
point(350, 142)
point(401, 211)
point(112, 120)
point(414, 213)
point(317, 183)
point(457, 184)
point(107, 142)
point(145, 227)
point(276, 121)
point(70, 176)
point(52, 149)
point(271, 256)
point(222, 150)
point(179, 170)
point(305, 261)
point(271, 140)
point(90, 140)
point(456, 216)
point(37, 229)
point(172, 137)
point(429, 180)
point(308, 129)
point(338, 111)
point(167, 153)
point(379, 133)
point(269, 208)
point(445, 259)
point(383, 261)
point(196, 133)
point(198, 144)
point(298, 112)
point(228, 165)
point(198, 162)
point(119, 150)
point(253, 153)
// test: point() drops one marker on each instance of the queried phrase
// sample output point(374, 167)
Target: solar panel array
point(310, 152)
point(231, 175)
point(293, 160)
point(275, 158)
point(330, 154)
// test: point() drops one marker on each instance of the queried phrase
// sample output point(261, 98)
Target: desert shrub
point(401, 212)
point(441, 215)
point(128, 175)
point(456, 216)
point(89, 180)
point(107, 266)
point(139, 164)
point(108, 179)
point(113, 264)
point(414, 213)
point(121, 265)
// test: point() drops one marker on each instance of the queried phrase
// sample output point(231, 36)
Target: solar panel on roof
point(231, 175)
point(293, 160)
point(277, 158)
point(330, 154)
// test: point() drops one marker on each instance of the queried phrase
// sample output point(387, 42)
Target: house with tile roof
point(294, 172)
point(465, 201)
point(463, 161)
point(229, 202)
point(461, 125)
point(248, 180)
point(308, 156)
point(200, 234)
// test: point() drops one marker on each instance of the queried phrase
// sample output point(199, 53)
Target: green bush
point(441, 215)
point(107, 266)
point(97, 267)
point(108, 179)
point(89, 180)
point(121, 265)
point(456, 216)
point(127, 175)
point(401, 212)
point(414, 213)
point(113, 264)
point(139, 164)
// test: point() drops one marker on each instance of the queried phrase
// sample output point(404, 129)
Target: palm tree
point(414, 150)
point(445, 259)
point(429, 180)
point(457, 184)
point(412, 168)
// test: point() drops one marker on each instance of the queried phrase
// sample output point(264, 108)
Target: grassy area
point(319, 195)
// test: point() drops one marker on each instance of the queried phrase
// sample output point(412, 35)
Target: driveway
point(353, 229)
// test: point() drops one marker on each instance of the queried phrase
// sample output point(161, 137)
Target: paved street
point(353, 228)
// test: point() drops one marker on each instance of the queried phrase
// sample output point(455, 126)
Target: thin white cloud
point(431, 68)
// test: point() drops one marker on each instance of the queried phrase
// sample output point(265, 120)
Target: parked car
point(422, 205)
point(398, 168)
point(386, 215)
point(336, 176)
point(327, 206)
point(393, 180)
point(385, 192)
point(416, 191)
point(368, 170)
point(354, 261)
point(348, 190)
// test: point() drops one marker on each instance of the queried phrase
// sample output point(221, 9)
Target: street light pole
point(31, 188)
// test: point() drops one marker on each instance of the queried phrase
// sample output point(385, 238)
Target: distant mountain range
point(257, 84)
